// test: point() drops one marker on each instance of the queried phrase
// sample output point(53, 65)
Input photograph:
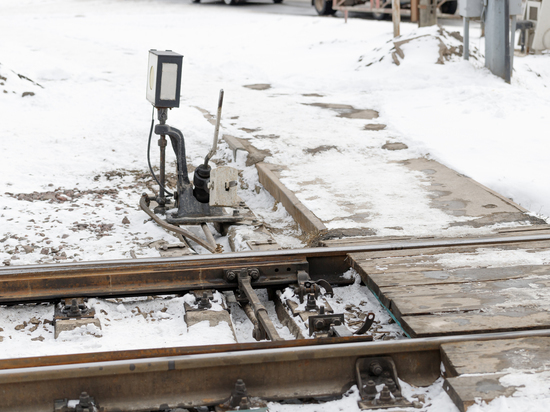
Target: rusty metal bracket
point(372, 372)
point(328, 325)
point(232, 275)
point(366, 326)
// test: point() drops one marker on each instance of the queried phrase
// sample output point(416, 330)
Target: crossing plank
point(493, 356)
point(475, 369)
point(532, 291)
point(475, 322)
point(441, 277)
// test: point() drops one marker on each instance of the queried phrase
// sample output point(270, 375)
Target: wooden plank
point(358, 241)
point(418, 300)
point(473, 322)
point(512, 231)
point(358, 258)
point(464, 390)
point(493, 356)
point(414, 11)
point(481, 365)
point(309, 223)
point(538, 229)
point(440, 277)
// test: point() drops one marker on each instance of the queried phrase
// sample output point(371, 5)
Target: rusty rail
point(135, 277)
point(193, 379)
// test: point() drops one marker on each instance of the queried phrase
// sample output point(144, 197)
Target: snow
point(74, 148)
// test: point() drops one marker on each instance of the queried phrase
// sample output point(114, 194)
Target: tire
point(277, 1)
point(449, 7)
point(195, 1)
point(323, 7)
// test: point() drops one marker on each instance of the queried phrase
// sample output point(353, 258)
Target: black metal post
point(161, 199)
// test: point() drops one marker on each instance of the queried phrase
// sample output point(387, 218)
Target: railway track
point(324, 364)
point(36, 283)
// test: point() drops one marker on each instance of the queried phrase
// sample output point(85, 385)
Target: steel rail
point(120, 355)
point(134, 277)
point(208, 378)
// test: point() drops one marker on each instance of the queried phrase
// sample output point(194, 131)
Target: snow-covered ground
point(73, 130)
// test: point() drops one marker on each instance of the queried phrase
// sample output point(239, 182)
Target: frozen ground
point(73, 149)
point(80, 141)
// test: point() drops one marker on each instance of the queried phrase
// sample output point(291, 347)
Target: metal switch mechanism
point(372, 372)
point(333, 325)
point(247, 297)
point(306, 286)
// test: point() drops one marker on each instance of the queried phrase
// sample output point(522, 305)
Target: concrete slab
point(71, 324)
point(213, 317)
point(459, 195)
point(452, 193)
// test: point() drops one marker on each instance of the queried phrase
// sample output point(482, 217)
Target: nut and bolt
point(311, 302)
point(254, 274)
point(385, 395)
point(376, 369)
point(370, 390)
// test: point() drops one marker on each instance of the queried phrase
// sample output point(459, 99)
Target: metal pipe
point(208, 235)
point(507, 59)
point(466, 38)
point(216, 130)
point(512, 43)
point(162, 116)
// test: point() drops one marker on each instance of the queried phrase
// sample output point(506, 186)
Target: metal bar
point(207, 379)
point(208, 235)
point(133, 277)
point(162, 174)
point(259, 310)
point(172, 228)
point(216, 130)
point(466, 52)
point(512, 43)
point(507, 58)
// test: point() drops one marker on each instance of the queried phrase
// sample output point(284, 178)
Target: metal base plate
point(217, 215)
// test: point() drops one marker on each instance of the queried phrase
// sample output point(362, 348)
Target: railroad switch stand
point(196, 202)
